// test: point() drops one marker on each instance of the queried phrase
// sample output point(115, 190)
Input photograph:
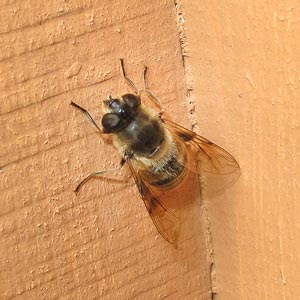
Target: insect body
point(157, 152)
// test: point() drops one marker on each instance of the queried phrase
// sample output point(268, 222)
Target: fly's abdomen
point(167, 167)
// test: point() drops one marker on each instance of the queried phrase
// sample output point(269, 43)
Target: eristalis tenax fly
point(158, 152)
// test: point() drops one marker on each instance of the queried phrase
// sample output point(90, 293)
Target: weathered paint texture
point(100, 244)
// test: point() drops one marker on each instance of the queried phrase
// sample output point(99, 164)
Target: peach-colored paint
point(230, 70)
point(245, 65)
point(100, 244)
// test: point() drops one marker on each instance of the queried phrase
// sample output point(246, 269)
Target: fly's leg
point(128, 80)
point(90, 118)
point(148, 92)
point(98, 174)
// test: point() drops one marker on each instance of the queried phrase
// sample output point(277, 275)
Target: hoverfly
point(157, 151)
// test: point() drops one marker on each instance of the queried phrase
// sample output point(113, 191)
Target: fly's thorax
point(136, 129)
point(142, 136)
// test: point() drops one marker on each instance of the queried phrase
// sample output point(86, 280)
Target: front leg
point(150, 94)
point(90, 118)
point(128, 80)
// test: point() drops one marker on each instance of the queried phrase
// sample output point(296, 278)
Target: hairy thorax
point(158, 155)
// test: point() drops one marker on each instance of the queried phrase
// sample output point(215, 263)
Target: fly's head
point(119, 112)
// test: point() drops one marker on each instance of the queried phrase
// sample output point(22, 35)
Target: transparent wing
point(213, 158)
point(165, 221)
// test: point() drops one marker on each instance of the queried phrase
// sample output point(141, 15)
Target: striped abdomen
point(167, 167)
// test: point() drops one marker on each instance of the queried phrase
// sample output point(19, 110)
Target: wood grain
point(100, 244)
point(244, 61)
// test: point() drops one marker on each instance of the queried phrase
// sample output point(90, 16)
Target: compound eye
point(132, 101)
point(111, 122)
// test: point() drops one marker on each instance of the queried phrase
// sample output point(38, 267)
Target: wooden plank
point(244, 59)
point(100, 244)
